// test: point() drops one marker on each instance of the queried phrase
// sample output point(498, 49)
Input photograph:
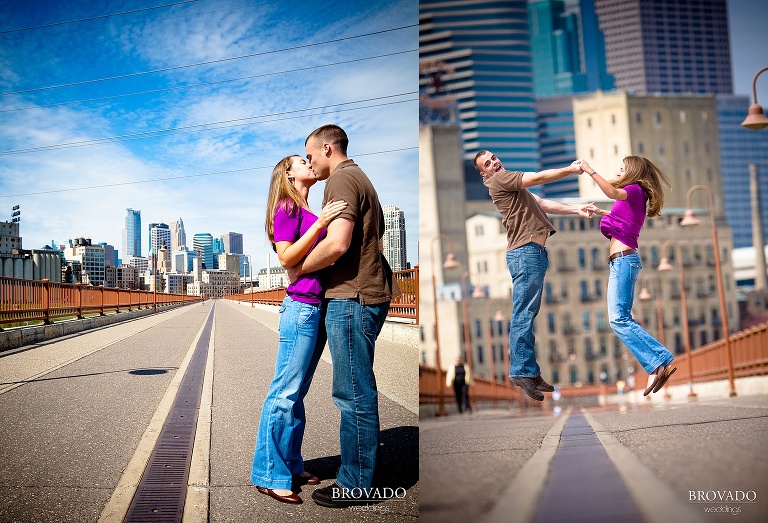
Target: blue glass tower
point(202, 243)
point(486, 55)
point(132, 234)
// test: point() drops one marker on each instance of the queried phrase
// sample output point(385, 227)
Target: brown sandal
point(663, 377)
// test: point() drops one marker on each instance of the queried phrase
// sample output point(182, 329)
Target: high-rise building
point(159, 235)
point(740, 147)
point(667, 46)
point(568, 48)
point(677, 133)
point(132, 234)
point(479, 53)
point(202, 243)
point(394, 238)
point(233, 242)
point(89, 258)
point(178, 236)
point(557, 143)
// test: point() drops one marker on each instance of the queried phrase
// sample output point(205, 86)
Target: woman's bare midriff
point(617, 246)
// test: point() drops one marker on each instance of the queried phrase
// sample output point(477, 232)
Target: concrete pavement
point(78, 413)
point(697, 461)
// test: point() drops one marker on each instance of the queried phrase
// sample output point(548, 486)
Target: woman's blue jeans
point(352, 331)
point(277, 456)
point(624, 271)
point(527, 266)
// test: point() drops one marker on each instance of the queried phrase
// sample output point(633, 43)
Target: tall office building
point(479, 53)
point(667, 46)
point(132, 234)
point(178, 236)
point(568, 48)
point(394, 238)
point(557, 143)
point(159, 235)
point(202, 243)
point(740, 147)
point(233, 242)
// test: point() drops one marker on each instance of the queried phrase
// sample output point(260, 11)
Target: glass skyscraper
point(132, 234)
point(202, 243)
point(483, 50)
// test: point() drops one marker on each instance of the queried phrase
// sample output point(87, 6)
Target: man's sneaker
point(542, 385)
point(529, 386)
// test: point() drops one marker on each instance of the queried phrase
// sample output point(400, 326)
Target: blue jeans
point(621, 294)
point(527, 266)
point(352, 331)
point(277, 456)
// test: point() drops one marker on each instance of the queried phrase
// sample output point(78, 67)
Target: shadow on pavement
point(398, 460)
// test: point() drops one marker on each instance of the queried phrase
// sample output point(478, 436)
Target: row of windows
point(657, 118)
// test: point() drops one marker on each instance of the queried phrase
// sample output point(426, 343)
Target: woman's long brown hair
point(643, 172)
point(282, 192)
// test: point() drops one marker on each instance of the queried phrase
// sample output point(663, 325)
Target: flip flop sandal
point(663, 378)
point(652, 385)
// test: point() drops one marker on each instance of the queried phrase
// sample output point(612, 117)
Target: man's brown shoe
point(542, 385)
point(529, 387)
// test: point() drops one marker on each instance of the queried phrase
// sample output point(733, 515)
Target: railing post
point(417, 294)
point(101, 295)
point(79, 300)
point(46, 305)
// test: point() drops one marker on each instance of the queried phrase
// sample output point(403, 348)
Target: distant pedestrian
point(460, 378)
point(359, 288)
point(637, 189)
point(293, 230)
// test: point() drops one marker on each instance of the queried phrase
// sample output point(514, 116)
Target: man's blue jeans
point(624, 271)
point(277, 456)
point(527, 266)
point(352, 331)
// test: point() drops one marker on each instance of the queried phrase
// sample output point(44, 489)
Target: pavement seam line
point(414, 409)
point(30, 379)
point(647, 491)
point(520, 500)
point(197, 502)
point(120, 501)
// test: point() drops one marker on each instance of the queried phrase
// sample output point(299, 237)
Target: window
point(682, 118)
point(613, 119)
point(479, 230)
point(586, 319)
point(640, 148)
point(657, 118)
point(638, 117)
point(551, 322)
point(600, 313)
point(584, 291)
point(478, 329)
point(589, 123)
point(582, 258)
point(479, 353)
point(598, 288)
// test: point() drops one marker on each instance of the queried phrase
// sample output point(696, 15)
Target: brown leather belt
point(621, 253)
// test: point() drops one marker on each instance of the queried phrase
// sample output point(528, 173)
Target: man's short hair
point(478, 155)
point(332, 134)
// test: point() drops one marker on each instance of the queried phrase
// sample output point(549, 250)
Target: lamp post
point(755, 119)
point(645, 295)
point(688, 221)
point(496, 317)
point(450, 263)
point(665, 266)
point(476, 293)
point(249, 263)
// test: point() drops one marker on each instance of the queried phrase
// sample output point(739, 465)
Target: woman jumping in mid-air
point(637, 191)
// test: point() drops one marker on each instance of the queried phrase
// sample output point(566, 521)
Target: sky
point(747, 28)
point(109, 113)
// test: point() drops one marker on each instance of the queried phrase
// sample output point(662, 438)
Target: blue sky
point(266, 115)
point(747, 23)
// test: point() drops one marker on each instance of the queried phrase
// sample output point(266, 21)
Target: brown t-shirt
point(362, 271)
point(521, 214)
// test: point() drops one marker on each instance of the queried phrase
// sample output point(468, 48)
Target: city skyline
point(202, 144)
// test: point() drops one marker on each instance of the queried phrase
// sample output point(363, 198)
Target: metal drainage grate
point(162, 490)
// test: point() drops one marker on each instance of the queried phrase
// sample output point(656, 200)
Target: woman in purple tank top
point(638, 192)
point(293, 232)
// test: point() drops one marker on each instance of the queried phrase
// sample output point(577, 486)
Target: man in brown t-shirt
point(358, 288)
point(524, 215)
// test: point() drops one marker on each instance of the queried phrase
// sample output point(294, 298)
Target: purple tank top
point(289, 227)
point(626, 217)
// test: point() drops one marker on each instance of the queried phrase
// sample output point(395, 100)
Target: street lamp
point(645, 296)
point(664, 265)
point(496, 317)
point(450, 263)
point(755, 117)
point(689, 221)
point(250, 273)
point(476, 293)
